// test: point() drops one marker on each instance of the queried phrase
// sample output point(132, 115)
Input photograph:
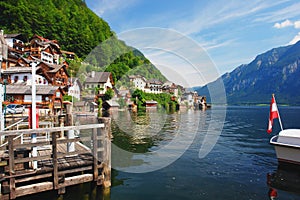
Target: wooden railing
point(21, 179)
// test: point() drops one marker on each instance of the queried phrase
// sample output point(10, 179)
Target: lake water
point(195, 155)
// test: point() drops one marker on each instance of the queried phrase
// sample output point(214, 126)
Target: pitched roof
point(98, 77)
point(112, 103)
point(13, 70)
point(155, 81)
point(19, 36)
point(137, 76)
point(26, 89)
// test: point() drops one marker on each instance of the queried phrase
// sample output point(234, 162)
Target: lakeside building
point(75, 88)
point(153, 85)
point(98, 83)
point(51, 79)
point(138, 81)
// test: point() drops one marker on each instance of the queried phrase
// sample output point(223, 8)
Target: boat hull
point(285, 151)
point(287, 155)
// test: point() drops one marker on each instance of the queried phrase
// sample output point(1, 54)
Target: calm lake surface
point(195, 155)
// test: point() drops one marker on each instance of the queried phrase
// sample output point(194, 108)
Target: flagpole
point(279, 119)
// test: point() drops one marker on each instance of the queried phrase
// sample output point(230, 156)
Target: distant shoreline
point(258, 105)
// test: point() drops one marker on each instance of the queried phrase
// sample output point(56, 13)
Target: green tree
point(108, 94)
point(77, 29)
point(99, 107)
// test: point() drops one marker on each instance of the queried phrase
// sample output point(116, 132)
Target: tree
point(99, 107)
point(109, 94)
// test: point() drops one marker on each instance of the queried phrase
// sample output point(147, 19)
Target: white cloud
point(290, 11)
point(295, 39)
point(175, 54)
point(283, 24)
point(297, 24)
point(218, 12)
point(287, 23)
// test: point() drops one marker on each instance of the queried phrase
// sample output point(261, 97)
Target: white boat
point(287, 146)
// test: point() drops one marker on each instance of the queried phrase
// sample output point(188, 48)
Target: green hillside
point(77, 29)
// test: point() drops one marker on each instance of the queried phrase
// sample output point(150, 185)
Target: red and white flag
point(273, 114)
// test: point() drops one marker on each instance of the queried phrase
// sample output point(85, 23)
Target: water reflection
point(87, 191)
point(286, 178)
point(151, 140)
point(141, 132)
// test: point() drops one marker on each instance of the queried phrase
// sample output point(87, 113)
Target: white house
point(101, 80)
point(23, 75)
point(75, 88)
point(170, 87)
point(138, 81)
point(154, 86)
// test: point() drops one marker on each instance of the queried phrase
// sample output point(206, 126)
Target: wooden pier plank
point(34, 188)
point(75, 180)
point(57, 168)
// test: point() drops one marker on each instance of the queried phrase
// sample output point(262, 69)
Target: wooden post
point(107, 151)
point(12, 184)
point(61, 120)
point(95, 153)
point(107, 181)
point(54, 161)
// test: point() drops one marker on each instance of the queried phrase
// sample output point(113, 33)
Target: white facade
point(26, 78)
point(102, 86)
point(38, 98)
point(10, 42)
point(74, 90)
point(105, 86)
point(47, 57)
point(139, 83)
point(153, 87)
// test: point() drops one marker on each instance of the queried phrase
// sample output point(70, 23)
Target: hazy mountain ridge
point(275, 71)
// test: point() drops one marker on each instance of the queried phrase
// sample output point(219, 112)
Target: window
point(25, 78)
point(16, 79)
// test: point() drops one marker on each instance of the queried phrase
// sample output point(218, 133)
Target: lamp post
point(33, 111)
point(2, 100)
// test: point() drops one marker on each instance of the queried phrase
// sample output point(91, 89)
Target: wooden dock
point(57, 167)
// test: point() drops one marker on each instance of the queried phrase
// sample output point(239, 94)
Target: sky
point(193, 42)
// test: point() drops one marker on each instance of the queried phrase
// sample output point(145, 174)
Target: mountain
point(77, 29)
point(276, 71)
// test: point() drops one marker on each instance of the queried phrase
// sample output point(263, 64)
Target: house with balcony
point(138, 81)
point(16, 48)
point(171, 88)
point(44, 49)
point(51, 77)
point(149, 86)
point(154, 86)
point(39, 47)
point(97, 83)
point(46, 73)
point(46, 95)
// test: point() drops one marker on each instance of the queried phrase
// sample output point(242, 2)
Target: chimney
point(1, 32)
point(92, 74)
